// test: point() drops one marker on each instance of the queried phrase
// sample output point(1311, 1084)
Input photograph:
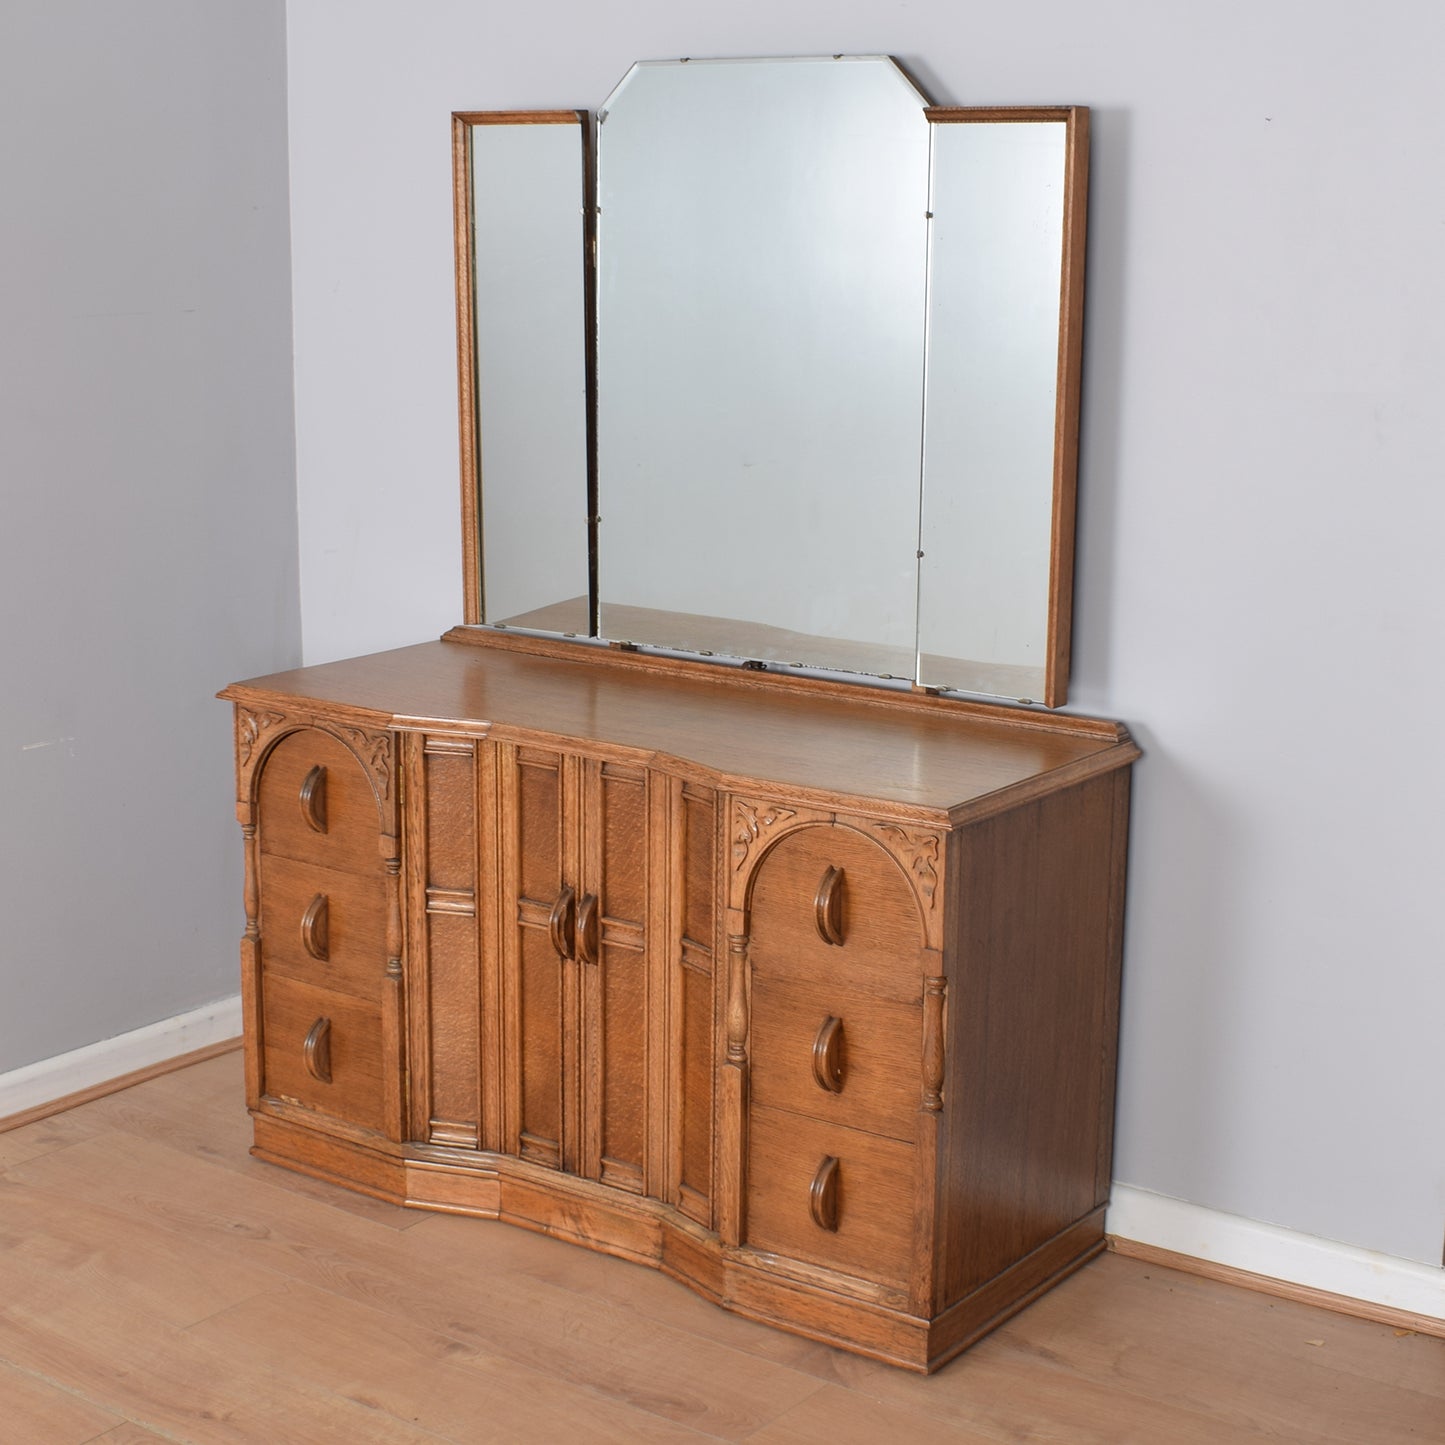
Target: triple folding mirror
point(774, 361)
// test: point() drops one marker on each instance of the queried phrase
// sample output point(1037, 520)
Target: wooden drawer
point(872, 1205)
point(317, 804)
point(868, 1050)
point(323, 927)
point(345, 1044)
point(874, 922)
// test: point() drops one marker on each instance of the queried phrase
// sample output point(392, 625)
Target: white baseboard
point(50, 1079)
point(1282, 1254)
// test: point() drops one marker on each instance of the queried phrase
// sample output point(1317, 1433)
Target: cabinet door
point(616, 980)
point(538, 866)
point(606, 875)
point(575, 864)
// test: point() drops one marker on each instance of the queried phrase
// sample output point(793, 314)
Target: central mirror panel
point(762, 237)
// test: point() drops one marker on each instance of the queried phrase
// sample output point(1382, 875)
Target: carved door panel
point(538, 857)
point(606, 872)
point(613, 949)
point(693, 1000)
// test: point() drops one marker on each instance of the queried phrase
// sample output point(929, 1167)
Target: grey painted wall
point(148, 533)
point(1260, 513)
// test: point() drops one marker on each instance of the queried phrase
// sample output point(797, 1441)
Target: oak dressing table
point(801, 989)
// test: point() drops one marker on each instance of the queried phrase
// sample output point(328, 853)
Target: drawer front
point(317, 804)
point(322, 1050)
point(323, 927)
point(837, 1055)
point(830, 1196)
point(831, 908)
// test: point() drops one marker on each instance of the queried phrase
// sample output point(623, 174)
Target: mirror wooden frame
point(1067, 408)
point(1067, 396)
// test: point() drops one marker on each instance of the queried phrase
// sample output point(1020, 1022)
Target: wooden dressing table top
point(916, 753)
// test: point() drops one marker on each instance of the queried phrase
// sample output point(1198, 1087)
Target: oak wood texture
point(159, 1284)
point(804, 997)
point(925, 754)
point(1401, 1320)
point(728, 637)
point(113, 1086)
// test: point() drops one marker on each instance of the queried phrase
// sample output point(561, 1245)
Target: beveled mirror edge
point(463, 122)
point(1068, 392)
point(1058, 648)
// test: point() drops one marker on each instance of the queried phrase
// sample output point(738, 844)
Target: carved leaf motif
point(250, 726)
point(919, 852)
point(752, 820)
point(375, 749)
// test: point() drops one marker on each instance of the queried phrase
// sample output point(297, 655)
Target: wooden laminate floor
point(156, 1283)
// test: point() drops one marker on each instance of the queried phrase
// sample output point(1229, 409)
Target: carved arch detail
point(755, 828)
point(918, 852)
point(251, 727)
point(259, 730)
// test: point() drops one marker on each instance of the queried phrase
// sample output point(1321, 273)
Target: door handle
point(314, 928)
point(587, 912)
point(313, 799)
point(828, 906)
point(828, 1055)
point(316, 1051)
point(562, 924)
point(823, 1196)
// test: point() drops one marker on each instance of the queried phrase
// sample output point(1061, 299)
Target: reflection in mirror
point(833, 417)
point(761, 253)
point(989, 618)
point(527, 180)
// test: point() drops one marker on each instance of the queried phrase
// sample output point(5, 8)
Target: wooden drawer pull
point(828, 907)
point(313, 799)
point(316, 1051)
point(314, 928)
point(823, 1195)
point(587, 929)
point(828, 1055)
point(562, 924)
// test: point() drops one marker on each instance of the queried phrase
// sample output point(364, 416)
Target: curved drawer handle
point(313, 799)
point(562, 924)
point(828, 1055)
point(314, 929)
point(316, 1051)
point(587, 928)
point(823, 1195)
point(828, 907)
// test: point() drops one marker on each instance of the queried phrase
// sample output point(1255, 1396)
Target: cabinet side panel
point(697, 855)
point(1032, 1025)
point(533, 825)
point(620, 1026)
point(699, 873)
point(451, 916)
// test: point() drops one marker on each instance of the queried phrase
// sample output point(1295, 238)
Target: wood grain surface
point(156, 1283)
point(928, 755)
